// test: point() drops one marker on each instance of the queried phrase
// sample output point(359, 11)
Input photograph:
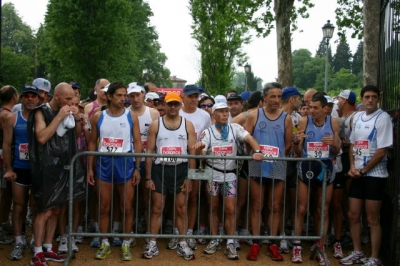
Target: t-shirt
point(200, 119)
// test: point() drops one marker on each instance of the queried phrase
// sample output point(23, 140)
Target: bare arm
point(151, 143)
point(298, 140)
point(288, 134)
point(8, 129)
point(92, 141)
point(138, 148)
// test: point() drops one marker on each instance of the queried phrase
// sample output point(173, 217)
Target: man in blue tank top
point(272, 128)
point(318, 138)
point(16, 163)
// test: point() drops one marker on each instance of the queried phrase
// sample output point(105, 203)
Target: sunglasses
point(29, 95)
point(209, 105)
point(176, 104)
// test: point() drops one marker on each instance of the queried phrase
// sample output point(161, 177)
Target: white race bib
point(23, 151)
point(269, 151)
point(170, 150)
point(317, 150)
point(222, 150)
point(361, 147)
point(111, 145)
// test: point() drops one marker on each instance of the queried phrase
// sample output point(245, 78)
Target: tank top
point(144, 123)
point(347, 130)
point(271, 136)
point(115, 132)
point(95, 105)
point(172, 142)
point(313, 147)
point(20, 136)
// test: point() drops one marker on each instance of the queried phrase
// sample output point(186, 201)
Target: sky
point(172, 21)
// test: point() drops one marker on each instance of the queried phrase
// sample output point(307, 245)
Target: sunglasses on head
point(176, 104)
point(209, 105)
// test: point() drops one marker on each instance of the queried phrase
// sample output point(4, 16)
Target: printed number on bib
point(317, 150)
point(170, 150)
point(111, 145)
point(361, 148)
point(23, 151)
point(269, 151)
point(222, 150)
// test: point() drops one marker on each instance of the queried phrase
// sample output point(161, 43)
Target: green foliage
point(357, 65)
point(349, 15)
point(15, 68)
point(342, 58)
point(221, 28)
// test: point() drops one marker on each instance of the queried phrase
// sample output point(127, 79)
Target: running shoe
point(372, 262)
point(191, 241)
point(354, 257)
point(103, 251)
point(17, 252)
point(185, 251)
point(230, 252)
point(150, 251)
point(337, 251)
point(321, 260)
point(38, 260)
point(284, 247)
point(212, 247)
point(296, 255)
point(126, 252)
point(54, 256)
point(253, 253)
point(273, 252)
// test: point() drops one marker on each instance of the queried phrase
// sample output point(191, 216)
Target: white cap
point(42, 84)
point(151, 96)
point(105, 88)
point(220, 99)
point(219, 106)
point(328, 98)
point(133, 87)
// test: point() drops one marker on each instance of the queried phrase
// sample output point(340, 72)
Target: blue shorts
point(118, 170)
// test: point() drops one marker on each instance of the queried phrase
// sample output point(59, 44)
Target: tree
point(221, 28)
point(321, 52)
point(357, 65)
point(343, 79)
point(15, 68)
point(342, 58)
point(300, 58)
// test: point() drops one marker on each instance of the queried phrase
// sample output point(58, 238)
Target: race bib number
point(171, 150)
point(222, 150)
point(111, 145)
point(23, 151)
point(361, 148)
point(317, 150)
point(269, 151)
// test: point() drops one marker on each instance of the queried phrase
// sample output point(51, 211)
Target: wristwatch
point(361, 172)
point(257, 151)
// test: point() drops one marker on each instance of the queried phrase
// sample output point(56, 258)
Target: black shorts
point(23, 177)
point(291, 174)
point(367, 187)
point(338, 183)
point(345, 163)
point(309, 172)
point(169, 179)
point(244, 171)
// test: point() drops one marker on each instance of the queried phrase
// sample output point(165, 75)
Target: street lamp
point(327, 31)
point(247, 70)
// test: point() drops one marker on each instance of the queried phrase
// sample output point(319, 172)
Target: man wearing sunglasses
point(16, 163)
point(170, 134)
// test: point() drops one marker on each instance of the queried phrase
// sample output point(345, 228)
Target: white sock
point(18, 239)
point(189, 232)
point(96, 226)
point(48, 247)
point(116, 226)
point(126, 242)
point(37, 250)
point(105, 240)
point(229, 241)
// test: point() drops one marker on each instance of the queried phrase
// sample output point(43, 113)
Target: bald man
point(51, 148)
point(307, 99)
point(100, 100)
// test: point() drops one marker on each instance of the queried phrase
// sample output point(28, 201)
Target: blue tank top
point(20, 136)
point(313, 147)
point(270, 134)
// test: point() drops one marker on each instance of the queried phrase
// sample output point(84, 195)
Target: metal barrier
point(199, 175)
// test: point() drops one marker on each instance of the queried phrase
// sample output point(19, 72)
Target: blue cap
point(290, 91)
point(191, 89)
point(245, 95)
point(29, 89)
point(201, 88)
point(75, 85)
point(348, 95)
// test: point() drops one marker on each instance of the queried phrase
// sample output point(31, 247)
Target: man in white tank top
point(146, 115)
point(170, 134)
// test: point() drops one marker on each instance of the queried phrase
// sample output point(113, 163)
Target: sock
point(126, 242)
point(48, 247)
point(105, 240)
point(176, 231)
point(116, 226)
point(18, 239)
point(189, 232)
point(96, 226)
point(37, 250)
point(229, 241)
point(153, 242)
point(182, 242)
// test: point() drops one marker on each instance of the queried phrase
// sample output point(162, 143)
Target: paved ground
point(166, 257)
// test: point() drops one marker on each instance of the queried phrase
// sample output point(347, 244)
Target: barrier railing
point(200, 174)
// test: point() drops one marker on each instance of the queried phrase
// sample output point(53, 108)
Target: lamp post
point(247, 70)
point(327, 31)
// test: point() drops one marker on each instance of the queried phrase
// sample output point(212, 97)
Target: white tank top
point(171, 142)
point(144, 123)
point(115, 132)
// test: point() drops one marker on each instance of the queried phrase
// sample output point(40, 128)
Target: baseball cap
point(290, 91)
point(329, 99)
point(220, 99)
point(42, 84)
point(75, 85)
point(105, 88)
point(219, 106)
point(134, 87)
point(191, 89)
point(245, 95)
point(255, 97)
point(234, 97)
point(29, 89)
point(172, 97)
point(348, 95)
point(151, 96)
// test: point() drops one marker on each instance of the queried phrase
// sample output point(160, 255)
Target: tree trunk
point(371, 16)
point(283, 9)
